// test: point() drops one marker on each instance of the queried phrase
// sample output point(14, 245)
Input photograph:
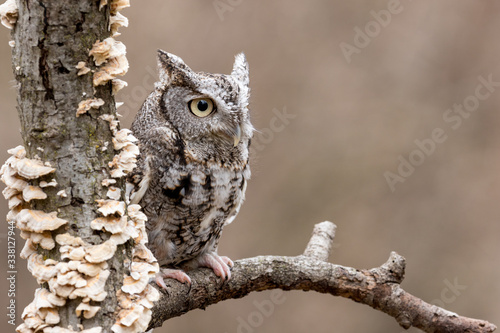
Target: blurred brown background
point(352, 121)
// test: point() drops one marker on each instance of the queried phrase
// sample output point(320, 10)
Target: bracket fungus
point(114, 193)
point(44, 184)
point(111, 119)
point(136, 296)
point(110, 56)
point(38, 221)
point(116, 5)
point(87, 310)
point(111, 224)
point(116, 86)
point(82, 68)
point(101, 252)
point(108, 182)
point(44, 239)
point(87, 104)
point(41, 312)
point(135, 312)
point(140, 273)
point(33, 193)
point(111, 207)
point(31, 169)
point(9, 13)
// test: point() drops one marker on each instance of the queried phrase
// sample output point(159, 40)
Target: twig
point(378, 287)
point(320, 244)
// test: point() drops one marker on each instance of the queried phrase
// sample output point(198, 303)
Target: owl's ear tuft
point(172, 68)
point(240, 69)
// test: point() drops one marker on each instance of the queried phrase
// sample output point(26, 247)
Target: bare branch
point(320, 244)
point(378, 287)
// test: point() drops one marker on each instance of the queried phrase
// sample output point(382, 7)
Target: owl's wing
point(157, 143)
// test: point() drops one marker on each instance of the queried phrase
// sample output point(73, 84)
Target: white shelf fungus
point(117, 85)
point(116, 22)
point(62, 193)
point(38, 221)
point(116, 5)
point(110, 55)
point(94, 288)
point(114, 193)
point(101, 252)
point(9, 13)
point(111, 224)
point(108, 182)
point(82, 68)
point(111, 207)
point(44, 239)
point(113, 122)
point(33, 193)
point(88, 311)
point(44, 184)
point(30, 169)
point(87, 104)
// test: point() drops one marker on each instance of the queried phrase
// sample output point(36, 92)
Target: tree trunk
point(51, 37)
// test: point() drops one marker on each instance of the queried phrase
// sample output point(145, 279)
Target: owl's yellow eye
point(201, 107)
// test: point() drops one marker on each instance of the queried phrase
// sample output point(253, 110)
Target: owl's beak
point(237, 135)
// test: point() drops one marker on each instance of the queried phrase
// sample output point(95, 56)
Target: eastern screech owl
point(194, 132)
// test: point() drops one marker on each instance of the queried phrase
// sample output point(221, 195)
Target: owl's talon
point(220, 265)
point(170, 273)
point(227, 261)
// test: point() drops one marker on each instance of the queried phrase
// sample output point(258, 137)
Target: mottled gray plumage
point(193, 167)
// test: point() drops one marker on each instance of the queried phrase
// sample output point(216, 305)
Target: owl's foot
point(220, 265)
point(171, 273)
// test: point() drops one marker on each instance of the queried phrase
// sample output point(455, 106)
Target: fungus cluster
point(81, 270)
point(9, 13)
point(35, 225)
point(125, 161)
point(36, 228)
point(136, 297)
point(110, 56)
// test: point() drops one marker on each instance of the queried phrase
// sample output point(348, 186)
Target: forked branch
point(378, 287)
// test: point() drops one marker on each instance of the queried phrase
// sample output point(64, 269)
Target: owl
point(194, 133)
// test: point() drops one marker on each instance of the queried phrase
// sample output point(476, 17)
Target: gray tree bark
point(51, 37)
